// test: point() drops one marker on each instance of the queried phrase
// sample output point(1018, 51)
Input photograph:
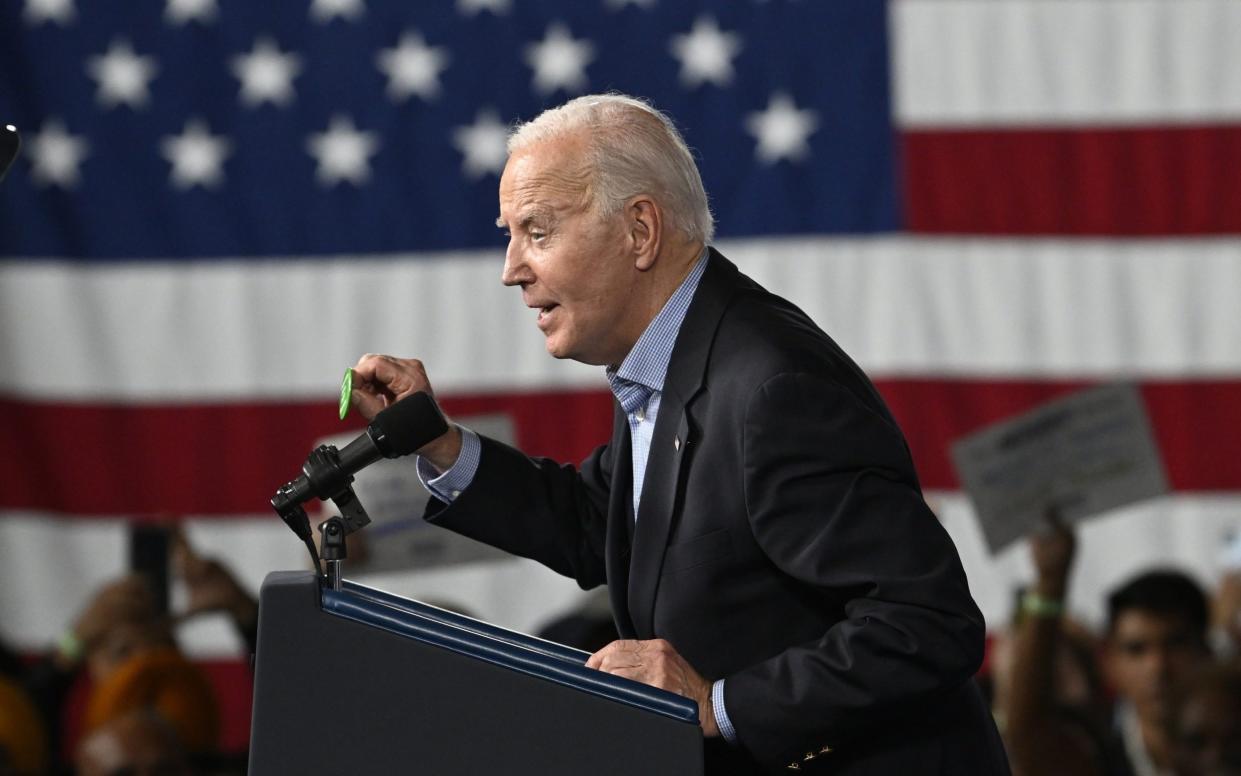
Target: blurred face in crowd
point(1149, 655)
point(1208, 734)
point(574, 266)
point(122, 641)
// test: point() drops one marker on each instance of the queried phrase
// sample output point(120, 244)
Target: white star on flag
point(60, 11)
point(559, 61)
point(266, 74)
point(706, 53)
point(781, 129)
point(181, 12)
point(343, 152)
point(196, 155)
point(55, 155)
point(472, 7)
point(483, 144)
point(412, 67)
point(324, 11)
point(123, 76)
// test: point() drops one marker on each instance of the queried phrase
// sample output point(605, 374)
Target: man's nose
point(516, 272)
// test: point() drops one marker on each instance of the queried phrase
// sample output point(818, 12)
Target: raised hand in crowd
point(1038, 721)
point(211, 587)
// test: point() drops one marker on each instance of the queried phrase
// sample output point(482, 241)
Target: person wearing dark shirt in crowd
point(1156, 638)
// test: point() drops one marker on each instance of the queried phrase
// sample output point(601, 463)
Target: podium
point(356, 680)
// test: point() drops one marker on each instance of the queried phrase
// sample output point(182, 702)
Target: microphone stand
point(333, 532)
point(329, 481)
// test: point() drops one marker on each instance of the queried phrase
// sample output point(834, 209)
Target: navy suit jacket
point(782, 543)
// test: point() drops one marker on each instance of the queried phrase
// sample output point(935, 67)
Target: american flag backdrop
point(221, 204)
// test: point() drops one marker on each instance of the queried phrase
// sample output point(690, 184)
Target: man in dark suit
point(756, 514)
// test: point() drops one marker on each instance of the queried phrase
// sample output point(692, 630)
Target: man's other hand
point(657, 663)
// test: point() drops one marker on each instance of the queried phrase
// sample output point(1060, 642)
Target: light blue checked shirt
point(638, 385)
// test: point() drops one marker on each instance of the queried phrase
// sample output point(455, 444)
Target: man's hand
point(658, 664)
point(380, 381)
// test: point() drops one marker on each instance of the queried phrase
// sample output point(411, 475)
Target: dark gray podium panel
point(336, 696)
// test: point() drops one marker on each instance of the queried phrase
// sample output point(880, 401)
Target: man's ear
point(645, 222)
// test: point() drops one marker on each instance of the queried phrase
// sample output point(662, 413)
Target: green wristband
point(1036, 605)
point(70, 646)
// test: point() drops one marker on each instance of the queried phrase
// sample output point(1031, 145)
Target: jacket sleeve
point(536, 508)
point(833, 501)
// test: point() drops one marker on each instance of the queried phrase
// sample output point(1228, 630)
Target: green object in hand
point(346, 391)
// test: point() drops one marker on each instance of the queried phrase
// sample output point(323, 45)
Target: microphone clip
point(327, 479)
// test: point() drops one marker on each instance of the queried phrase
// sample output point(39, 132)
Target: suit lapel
point(671, 443)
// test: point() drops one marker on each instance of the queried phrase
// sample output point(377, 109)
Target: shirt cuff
point(721, 716)
point(448, 485)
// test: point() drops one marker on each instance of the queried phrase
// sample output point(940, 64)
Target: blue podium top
point(509, 649)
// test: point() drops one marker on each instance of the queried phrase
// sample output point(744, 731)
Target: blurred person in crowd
point(23, 738)
point(1050, 700)
point(138, 743)
point(1206, 733)
point(1156, 637)
point(124, 644)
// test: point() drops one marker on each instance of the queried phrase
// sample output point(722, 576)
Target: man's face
point(1149, 655)
point(574, 267)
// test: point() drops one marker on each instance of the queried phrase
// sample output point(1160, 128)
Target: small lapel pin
point(676, 443)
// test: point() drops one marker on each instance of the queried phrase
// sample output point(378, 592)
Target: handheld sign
point(1081, 455)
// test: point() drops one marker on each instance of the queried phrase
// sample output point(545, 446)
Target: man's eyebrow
point(525, 219)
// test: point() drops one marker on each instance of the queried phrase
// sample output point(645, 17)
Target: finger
point(596, 660)
point(610, 664)
point(609, 651)
point(636, 675)
point(367, 402)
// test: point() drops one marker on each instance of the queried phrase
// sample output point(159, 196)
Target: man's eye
point(537, 236)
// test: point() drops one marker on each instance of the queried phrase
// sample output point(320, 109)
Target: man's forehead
point(551, 174)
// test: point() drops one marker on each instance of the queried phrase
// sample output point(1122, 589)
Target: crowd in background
point(1155, 690)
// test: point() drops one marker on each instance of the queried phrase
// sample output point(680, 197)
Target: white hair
point(633, 149)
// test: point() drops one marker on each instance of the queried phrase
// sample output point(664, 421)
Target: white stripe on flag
point(1063, 62)
point(901, 306)
point(59, 562)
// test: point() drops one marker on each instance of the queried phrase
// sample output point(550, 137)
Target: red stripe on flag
point(1195, 423)
point(1148, 181)
point(229, 459)
point(219, 459)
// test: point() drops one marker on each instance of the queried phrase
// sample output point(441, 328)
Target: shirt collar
point(647, 362)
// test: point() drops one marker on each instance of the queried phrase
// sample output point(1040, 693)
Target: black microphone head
point(9, 143)
point(407, 425)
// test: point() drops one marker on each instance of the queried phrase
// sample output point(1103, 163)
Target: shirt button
point(640, 414)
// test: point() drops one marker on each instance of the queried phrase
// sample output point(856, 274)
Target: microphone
point(9, 143)
point(396, 431)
